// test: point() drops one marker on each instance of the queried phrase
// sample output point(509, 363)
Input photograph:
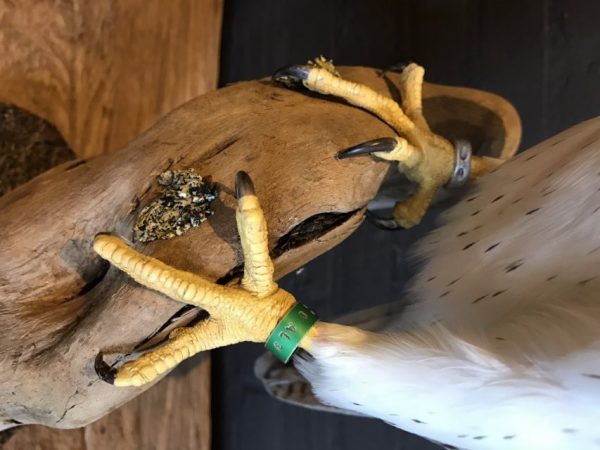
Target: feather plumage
point(500, 348)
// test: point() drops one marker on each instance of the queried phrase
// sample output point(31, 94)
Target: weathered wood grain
point(103, 72)
point(66, 303)
point(55, 286)
point(29, 145)
point(174, 415)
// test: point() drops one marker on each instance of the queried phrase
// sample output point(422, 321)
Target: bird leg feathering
point(500, 348)
point(498, 353)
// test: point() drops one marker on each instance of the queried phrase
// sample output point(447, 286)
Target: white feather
point(502, 348)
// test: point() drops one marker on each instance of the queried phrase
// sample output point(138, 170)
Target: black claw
point(291, 76)
point(380, 222)
point(243, 185)
point(103, 370)
point(398, 67)
point(376, 145)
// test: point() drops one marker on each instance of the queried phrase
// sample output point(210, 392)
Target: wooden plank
point(571, 64)
point(542, 55)
point(103, 72)
point(510, 59)
point(342, 280)
point(173, 415)
point(263, 35)
point(354, 32)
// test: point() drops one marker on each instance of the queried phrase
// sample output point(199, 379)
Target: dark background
point(543, 56)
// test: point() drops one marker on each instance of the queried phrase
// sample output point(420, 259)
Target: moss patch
point(28, 147)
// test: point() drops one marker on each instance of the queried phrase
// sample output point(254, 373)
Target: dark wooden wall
point(544, 56)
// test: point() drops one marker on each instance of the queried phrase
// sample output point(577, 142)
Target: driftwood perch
point(61, 305)
point(90, 69)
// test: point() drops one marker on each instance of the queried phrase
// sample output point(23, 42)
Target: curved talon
point(398, 67)
point(376, 145)
point(243, 185)
point(291, 76)
point(384, 224)
point(105, 372)
point(424, 157)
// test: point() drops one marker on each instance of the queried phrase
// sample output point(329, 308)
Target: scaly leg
point(423, 156)
point(241, 313)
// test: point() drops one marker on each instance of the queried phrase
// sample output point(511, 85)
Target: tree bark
point(102, 73)
point(62, 304)
point(183, 422)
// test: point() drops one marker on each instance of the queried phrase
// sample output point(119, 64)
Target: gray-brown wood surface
point(544, 56)
point(172, 415)
point(103, 72)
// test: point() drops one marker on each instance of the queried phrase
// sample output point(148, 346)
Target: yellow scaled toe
point(182, 343)
point(404, 154)
point(258, 268)
point(411, 211)
point(424, 157)
point(237, 313)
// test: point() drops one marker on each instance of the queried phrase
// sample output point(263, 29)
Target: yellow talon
point(422, 156)
point(239, 313)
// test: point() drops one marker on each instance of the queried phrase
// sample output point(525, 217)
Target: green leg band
point(288, 333)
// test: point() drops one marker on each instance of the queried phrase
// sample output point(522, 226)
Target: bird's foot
point(247, 312)
point(423, 157)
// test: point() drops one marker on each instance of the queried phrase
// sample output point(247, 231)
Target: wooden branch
point(103, 72)
point(60, 305)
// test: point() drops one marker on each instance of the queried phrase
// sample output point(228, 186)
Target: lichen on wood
point(184, 203)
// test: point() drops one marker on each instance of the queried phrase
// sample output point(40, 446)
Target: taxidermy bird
point(499, 349)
